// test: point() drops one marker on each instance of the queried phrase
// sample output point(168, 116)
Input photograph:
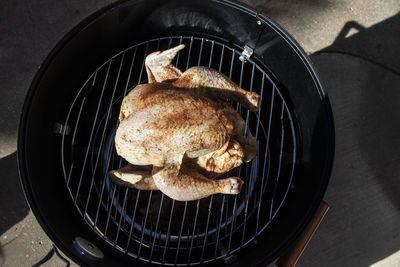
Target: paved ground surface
point(355, 47)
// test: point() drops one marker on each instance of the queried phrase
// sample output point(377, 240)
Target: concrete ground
point(355, 47)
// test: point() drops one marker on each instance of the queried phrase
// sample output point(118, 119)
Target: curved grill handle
point(292, 255)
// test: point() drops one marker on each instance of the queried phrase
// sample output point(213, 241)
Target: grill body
point(66, 132)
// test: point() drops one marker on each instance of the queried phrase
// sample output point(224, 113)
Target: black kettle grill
point(70, 115)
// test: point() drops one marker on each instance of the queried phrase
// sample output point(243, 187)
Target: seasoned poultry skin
point(178, 132)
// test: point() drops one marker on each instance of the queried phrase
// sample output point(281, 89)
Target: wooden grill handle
point(290, 257)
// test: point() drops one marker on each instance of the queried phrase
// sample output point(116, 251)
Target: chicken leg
point(182, 185)
point(139, 177)
point(187, 184)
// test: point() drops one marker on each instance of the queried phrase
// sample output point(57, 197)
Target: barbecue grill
point(67, 129)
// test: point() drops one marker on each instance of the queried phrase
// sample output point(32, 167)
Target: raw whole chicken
point(178, 132)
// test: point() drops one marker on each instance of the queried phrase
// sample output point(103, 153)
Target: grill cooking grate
point(147, 224)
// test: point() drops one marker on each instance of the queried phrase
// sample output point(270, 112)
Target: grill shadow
point(13, 205)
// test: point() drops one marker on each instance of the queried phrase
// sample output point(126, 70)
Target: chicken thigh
point(178, 132)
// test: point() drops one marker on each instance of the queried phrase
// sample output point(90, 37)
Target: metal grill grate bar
point(177, 56)
point(232, 61)
point(110, 209)
point(180, 233)
point(144, 223)
point(138, 192)
point(91, 133)
point(223, 197)
point(189, 54)
point(239, 169)
point(68, 178)
point(155, 230)
point(232, 224)
point(104, 129)
point(251, 176)
point(206, 232)
point(211, 54)
point(259, 109)
point(122, 215)
point(201, 51)
point(74, 135)
point(142, 68)
point(222, 57)
point(266, 152)
point(102, 138)
point(279, 164)
point(194, 228)
point(219, 227)
point(248, 112)
point(93, 174)
point(133, 219)
point(130, 72)
point(168, 231)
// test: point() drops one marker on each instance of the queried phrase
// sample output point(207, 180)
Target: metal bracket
point(228, 258)
point(252, 44)
point(61, 129)
point(246, 53)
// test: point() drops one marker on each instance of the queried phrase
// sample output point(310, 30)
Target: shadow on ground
point(361, 75)
point(13, 206)
point(289, 8)
point(377, 126)
point(378, 44)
